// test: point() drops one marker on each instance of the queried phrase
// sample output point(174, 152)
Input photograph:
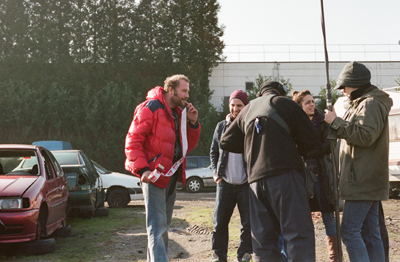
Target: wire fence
point(311, 53)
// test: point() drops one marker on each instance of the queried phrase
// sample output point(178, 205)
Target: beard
point(178, 101)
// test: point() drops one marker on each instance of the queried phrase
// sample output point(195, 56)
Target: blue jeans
point(328, 216)
point(227, 197)
point(361, 220)
point(159, 207)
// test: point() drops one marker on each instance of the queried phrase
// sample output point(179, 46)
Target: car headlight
point(11, 203)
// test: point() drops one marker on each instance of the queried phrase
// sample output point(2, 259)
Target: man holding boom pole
point(363, 161)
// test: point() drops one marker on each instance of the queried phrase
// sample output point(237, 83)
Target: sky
point(298, 22)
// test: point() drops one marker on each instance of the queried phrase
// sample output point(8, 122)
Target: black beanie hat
point(267, 85)
point(354, 74)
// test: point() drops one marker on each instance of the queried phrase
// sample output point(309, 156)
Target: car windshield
point(66, 158)
point(18, 162)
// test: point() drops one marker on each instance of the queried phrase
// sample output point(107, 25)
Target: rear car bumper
point(135, 193)
point(81, 201)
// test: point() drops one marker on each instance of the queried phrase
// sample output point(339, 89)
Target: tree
point(86, 64)
point(322, 93)
point(14, 21)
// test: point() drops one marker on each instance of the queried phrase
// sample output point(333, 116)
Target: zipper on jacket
point(154, 158)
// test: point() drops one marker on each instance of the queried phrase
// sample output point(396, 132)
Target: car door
point(207, 175)
point(55, 201)
point(94, 176)
point(61, 181)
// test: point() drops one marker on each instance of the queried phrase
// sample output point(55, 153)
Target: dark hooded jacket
point(364, 148)
point(271, 151)
point(219, 157)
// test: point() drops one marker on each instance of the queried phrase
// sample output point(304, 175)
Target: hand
point(192, 113)
point(217, 179)
point(330, 115)
point(145, 177)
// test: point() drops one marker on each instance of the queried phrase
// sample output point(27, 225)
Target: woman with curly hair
point(317, 161)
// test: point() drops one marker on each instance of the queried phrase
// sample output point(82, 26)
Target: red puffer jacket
point(151, 137)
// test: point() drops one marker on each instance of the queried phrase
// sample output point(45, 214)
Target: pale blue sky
point(299, 22)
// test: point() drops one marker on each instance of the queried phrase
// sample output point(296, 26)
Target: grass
point(90, 236)
point(203, 217)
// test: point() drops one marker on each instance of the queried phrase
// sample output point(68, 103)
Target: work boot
point(331, 244)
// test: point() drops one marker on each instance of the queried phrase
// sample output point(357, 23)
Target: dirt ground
point(192, 243)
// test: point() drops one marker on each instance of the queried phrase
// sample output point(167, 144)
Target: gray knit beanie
point(354, 74)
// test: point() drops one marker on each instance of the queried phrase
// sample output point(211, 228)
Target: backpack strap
point(261, 107)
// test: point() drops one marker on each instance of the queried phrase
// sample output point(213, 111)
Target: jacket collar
point(158, 93)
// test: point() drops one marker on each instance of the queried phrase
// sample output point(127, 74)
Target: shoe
point(214, 257)
point(246, 257)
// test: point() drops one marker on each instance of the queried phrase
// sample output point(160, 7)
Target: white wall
point(230, 76)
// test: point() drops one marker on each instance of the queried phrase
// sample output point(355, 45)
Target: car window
point(18, 162)
point(55, 164)
point(67, 158)
point(50, 173)
point(29, 162)
point(205, 161)
point(88, 163)
point(100, 169)
point(191, 162)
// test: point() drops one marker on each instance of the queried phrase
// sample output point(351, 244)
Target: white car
point(198, 178)
point(120, 188)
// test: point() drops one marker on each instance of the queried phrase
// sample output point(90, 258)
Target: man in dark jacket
point(363, 161)
point(278, 198)
point(160, 136)
point(232, 188)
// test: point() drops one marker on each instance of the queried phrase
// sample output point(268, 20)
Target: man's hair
point(173, 81)
point(299, 96)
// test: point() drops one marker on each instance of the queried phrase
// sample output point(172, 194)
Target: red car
point(33, 193)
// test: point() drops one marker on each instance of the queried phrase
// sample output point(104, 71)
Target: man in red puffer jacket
point(158, 137)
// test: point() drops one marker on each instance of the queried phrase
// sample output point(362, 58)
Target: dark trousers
point(227, 197)
point(278, 205)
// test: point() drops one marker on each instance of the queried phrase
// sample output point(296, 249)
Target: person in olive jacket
point(363, 161)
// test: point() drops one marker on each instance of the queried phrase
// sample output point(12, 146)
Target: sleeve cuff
point(195, 126)
point(141, 171)
point(336, 123)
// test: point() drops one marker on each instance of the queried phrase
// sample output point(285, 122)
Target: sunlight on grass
point(204, 217)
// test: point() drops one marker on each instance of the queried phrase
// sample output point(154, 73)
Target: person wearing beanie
point(232, 188)
point(272, 132)
point(363, 161)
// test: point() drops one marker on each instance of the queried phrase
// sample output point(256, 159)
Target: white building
point(230, 76)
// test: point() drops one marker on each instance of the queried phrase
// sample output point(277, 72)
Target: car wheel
point(62, 232)
point(41, 224)
point(101, 212)
point(86, 214)
point(194, 185)
point(39, 247)
point(179, 186)
point(117, 198)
